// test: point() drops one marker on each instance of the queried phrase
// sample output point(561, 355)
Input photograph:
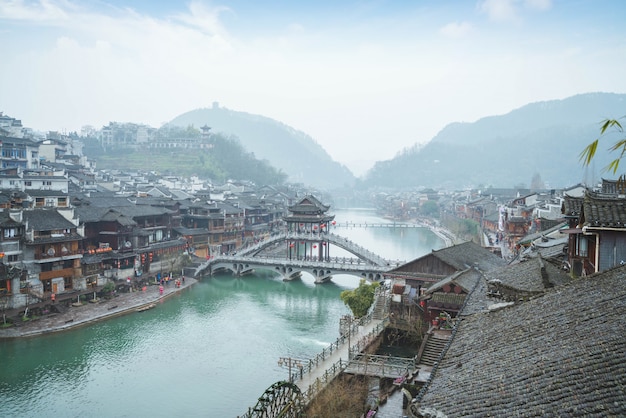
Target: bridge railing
point(335, 263)
point(336, 260)
point(314, 362)
point(320, 383)
point(334, 238)
point(357, 347)
point(331, 372)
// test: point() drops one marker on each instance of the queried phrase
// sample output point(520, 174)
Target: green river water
point(210, 351)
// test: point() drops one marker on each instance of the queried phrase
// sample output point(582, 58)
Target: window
point(28, 183)
point(582, 246)
point(10, 232)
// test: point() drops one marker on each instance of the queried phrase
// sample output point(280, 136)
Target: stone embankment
point(87, 313)
point(448, 237)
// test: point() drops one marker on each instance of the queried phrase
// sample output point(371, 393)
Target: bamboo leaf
point(619, 144)
point(613, 165)
point(610, 123)
point(587, 154)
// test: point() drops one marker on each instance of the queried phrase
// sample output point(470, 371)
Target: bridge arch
point(322, 271)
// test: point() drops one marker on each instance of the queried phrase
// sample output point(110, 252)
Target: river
point(210, 351)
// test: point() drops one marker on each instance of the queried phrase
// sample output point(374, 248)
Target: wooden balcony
point(47, 275)
point(57, 254)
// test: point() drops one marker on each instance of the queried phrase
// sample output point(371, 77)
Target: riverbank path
point(122, 304)
point(322, 374)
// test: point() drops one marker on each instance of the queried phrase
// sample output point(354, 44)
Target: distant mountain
point(292, 151)
point(503, 151)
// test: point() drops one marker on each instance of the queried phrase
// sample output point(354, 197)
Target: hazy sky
point(364, 78)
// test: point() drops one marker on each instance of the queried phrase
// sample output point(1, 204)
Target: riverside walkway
point(76, 316)
point(334, 360)
point(313, 375)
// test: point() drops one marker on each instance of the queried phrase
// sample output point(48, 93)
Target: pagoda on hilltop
point(308, 222)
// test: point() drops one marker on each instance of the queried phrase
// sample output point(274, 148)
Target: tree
point(360, 299)
point(430, 208)
point(590, 150)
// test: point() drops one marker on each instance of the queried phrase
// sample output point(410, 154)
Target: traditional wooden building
point(52, 249)
point(438, 264)
point(597, 232)
point(309, 217)
point(535, 357)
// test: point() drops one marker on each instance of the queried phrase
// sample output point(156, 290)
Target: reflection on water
point(208, 352)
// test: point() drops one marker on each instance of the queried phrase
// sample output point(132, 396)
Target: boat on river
point(145, 307)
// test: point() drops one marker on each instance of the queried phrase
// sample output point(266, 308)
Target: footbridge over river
point(334, 239)
point(291, 269)
point(364, 264)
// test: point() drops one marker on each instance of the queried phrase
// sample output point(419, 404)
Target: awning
point(571, 231)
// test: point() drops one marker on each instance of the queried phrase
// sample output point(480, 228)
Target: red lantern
point(291, 245)
point(315, 246)
point(334, 222)
point(314, 226)
point(324, 243)
point(422, 303)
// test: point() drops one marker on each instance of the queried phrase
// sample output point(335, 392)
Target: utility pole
point(289, 363)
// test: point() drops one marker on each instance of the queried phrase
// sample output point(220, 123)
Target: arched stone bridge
point(291, 269)
point(341, 242)
point(366, 264)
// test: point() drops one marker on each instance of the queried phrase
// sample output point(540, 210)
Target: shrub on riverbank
point(360, 299)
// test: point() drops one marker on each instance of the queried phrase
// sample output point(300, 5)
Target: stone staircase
point(432, 350)
point(381, 305)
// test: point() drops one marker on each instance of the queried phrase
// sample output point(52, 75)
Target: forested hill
point(544, 138)
point(293, 152)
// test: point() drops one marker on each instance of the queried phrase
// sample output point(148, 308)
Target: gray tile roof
point(531, 237)
point(534, 275)
point(466, 279)
point(46, 219)
point(477, 301)
point(6, 220)
point(469, 254)
point(191, 231)
point(116, 216)
point(560, 354)
point(552, 248)
point(309, 203)
point(45, 193)
point(90, 213)
point(605, 211)
point(459, 257)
